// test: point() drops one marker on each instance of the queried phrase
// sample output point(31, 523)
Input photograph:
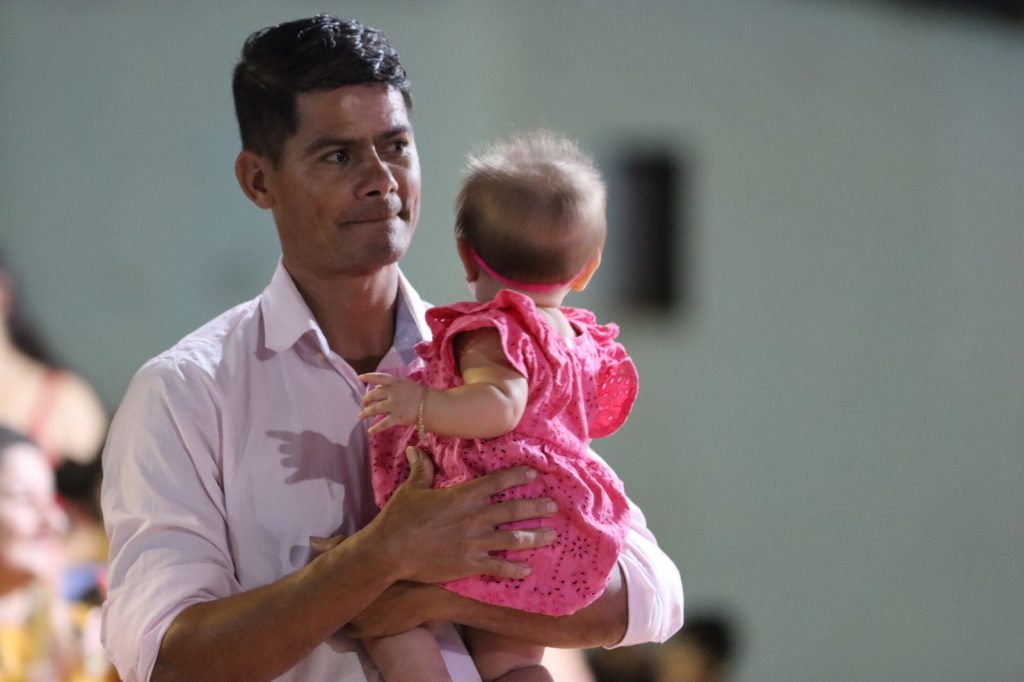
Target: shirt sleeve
point(654, 588)
point(163, 506)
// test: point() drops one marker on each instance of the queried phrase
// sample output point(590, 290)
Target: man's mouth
point(375, 219)
point(378, 213)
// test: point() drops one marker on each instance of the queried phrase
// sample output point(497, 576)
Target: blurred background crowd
point(52, 544)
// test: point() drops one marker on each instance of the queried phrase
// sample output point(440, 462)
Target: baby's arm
point(490, 402)
point(409, 656)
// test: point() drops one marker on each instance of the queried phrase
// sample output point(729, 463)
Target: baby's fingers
point(374, 395)
point(385, 423)
point(373, 408)
point(377, 378)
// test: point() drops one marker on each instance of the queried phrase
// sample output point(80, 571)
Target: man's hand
point(433, 536)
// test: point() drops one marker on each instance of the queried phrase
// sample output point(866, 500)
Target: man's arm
point(261, 633)
point(602, 623)
point(407, 604)
point(174, 597)
point(642, 603)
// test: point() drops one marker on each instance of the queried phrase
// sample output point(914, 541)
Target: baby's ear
point(583, 279)
point(468, 262)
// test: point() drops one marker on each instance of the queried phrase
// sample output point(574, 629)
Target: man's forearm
point(602, 623)
point(421, 534)
point(261, 633)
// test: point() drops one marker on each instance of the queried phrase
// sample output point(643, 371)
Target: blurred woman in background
point(50, 410)
point(51, 405)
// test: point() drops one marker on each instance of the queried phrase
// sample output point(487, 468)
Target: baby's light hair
point(532, 207)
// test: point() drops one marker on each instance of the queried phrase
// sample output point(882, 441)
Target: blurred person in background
point(48, 403)
point(79, 488)
point(60, 412)
point(627, 664)
point(43, 638)
point(703, 651)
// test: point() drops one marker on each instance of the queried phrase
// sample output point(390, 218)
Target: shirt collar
point(412, 306)
point(287, 318)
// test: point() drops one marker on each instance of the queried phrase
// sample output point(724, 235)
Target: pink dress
point(579, 389)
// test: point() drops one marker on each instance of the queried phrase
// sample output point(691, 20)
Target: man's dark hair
point(319, 53)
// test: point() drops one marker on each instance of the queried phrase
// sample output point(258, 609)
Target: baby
point(513, 378)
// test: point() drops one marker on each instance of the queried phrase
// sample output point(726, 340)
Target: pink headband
point(535, 287)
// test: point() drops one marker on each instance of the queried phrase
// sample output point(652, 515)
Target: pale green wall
point(831, 441)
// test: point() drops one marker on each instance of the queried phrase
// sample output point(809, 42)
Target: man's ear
point(251, 171)
point(583, 279)
point(469, 263)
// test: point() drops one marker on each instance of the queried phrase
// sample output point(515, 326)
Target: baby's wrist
point(421, 425)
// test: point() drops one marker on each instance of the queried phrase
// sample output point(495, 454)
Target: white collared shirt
point(235, 446)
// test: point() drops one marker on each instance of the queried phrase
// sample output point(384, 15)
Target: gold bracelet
point(421, 429)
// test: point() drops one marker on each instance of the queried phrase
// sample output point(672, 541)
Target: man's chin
point(394, 248)
point(382, 260)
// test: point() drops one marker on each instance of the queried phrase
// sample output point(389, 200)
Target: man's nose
point(377, 179)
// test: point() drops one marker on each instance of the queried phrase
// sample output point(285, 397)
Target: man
point(234, 448)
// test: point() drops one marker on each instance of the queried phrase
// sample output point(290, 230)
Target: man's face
point(346, 192)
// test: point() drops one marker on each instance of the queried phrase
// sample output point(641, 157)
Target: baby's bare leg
point(410, 656)
point(498, 657)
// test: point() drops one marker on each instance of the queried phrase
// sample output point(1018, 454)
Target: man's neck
point(356, 313)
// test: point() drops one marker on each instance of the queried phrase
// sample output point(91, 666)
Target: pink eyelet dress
point(579, 389)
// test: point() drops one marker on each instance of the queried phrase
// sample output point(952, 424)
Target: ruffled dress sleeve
point(616, 381)
point(523, 336)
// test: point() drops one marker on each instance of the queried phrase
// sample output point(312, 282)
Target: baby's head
point(532, 212)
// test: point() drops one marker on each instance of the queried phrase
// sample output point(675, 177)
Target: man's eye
point(339, 156)
point(398, 146)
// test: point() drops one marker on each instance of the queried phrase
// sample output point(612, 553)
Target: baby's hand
point(397, 399)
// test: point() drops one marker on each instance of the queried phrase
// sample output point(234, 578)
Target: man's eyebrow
point(328, 141)
point(397, 130)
